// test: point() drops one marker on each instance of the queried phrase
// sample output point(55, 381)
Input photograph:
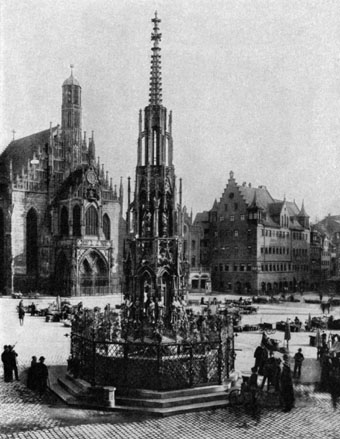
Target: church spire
point(155, 75)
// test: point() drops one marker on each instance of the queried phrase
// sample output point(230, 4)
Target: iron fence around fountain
point(154, 366)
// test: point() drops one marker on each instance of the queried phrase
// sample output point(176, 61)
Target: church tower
point(71, 119)
point(153, 262)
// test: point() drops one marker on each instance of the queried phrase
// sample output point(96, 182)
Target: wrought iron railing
point(156, 366)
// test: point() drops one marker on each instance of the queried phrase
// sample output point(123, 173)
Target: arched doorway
point(93, 274)
point(238, 287)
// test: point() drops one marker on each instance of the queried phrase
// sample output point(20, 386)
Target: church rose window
point(91, 221)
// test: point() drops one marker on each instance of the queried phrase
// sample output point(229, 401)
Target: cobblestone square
point(25, 415)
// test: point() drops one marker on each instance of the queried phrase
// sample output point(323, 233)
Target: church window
point(243, 217)
point(106, 227)
point(235, 206)
point(226, 207)
point(76, 221)
point(91, 221)
point(32, 241)
point(236, 233)
point(64, 221)
point(69, 120)
point(193, 261)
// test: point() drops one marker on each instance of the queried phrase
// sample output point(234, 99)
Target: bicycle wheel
point(236, 397)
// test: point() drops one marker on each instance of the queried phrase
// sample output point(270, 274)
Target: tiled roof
point(22, 150)
point(263, 197)
point(329, 225)
point(275, 208)
point(202, 217)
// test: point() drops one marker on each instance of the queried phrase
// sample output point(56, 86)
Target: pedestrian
point(260, 356)
point(13, 361)
point(6, 360)
point(21, 314)
point(42, 376)
point(286, 386)
point(298, 360)
point(253, 387)
point(33, 309)
point(269, 370)
point(32, 374)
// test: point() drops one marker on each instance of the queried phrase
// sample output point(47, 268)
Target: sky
point(254, 87)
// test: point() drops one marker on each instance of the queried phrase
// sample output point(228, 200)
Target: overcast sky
point(254, 87)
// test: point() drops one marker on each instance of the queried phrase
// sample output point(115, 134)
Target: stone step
point(63, 394)
point(154, 394)
point(172, 402)
point(72, 388)
point(81, 384)
point(170, 411)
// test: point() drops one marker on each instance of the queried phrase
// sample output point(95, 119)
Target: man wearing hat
point(286, 385)
point(42, 376)
point(298, 359)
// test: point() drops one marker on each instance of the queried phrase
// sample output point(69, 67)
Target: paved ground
point(24, 415)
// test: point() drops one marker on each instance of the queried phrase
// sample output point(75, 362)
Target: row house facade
point(326, 241)
point(256, 243)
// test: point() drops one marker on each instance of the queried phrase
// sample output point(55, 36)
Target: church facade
point(60, 215)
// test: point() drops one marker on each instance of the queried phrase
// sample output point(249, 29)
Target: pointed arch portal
point(93, 274)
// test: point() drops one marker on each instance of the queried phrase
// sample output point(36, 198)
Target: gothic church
point(60, 215)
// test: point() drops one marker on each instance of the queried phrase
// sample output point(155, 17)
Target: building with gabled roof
point(60, 215)
point(256, 243)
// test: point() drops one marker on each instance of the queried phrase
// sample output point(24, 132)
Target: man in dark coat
point(42, 376)
point(32, 374)
point(21, 312)
point(260, 356)
point(6, 360)
point(13, 361)
point(269, 370)
point(286, 386)
point(298, 358)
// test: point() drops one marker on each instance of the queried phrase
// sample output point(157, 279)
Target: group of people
point(269, 367)
point(9, 360)
point(37, 375)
